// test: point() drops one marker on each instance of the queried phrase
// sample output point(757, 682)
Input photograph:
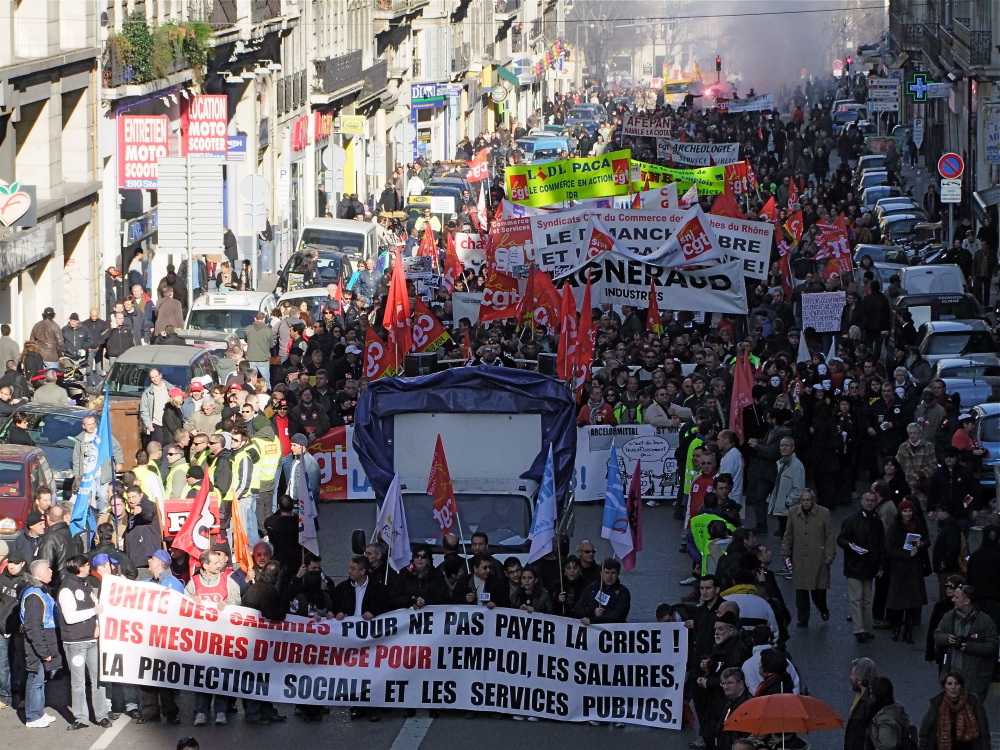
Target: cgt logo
point(519, 187)
point(693, 240)
point(621, 169)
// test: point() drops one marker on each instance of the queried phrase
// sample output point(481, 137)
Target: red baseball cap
point(196, 386)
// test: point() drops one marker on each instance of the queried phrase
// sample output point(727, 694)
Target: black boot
point(895, 632)
point(908, 633)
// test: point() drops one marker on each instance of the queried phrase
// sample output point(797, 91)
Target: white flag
point(690, 198)
point(391, 526)
point(614, 525)
point(307, 511)
point(803, 353)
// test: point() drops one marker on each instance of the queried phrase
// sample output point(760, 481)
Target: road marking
point(108, 735)
point(409, 738)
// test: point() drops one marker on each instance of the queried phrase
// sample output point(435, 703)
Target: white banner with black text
point(453, 657)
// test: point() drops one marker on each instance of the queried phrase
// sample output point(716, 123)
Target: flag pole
point(461, 538)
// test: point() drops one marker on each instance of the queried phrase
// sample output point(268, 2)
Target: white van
point(358, 240)
point(946, 278)
point(217, 316)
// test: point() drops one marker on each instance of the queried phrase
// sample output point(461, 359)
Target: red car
point(23, 470)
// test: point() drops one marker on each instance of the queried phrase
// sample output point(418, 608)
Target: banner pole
point(461, 538)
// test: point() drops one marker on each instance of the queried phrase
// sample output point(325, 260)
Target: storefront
point(29, 275)
point(430, 114)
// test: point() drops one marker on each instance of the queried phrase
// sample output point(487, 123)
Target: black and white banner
point(697, 154)
point(458, 657)
point(750, 104)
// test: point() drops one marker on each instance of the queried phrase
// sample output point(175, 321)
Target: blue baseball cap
point(161, 555)
point(101, 559)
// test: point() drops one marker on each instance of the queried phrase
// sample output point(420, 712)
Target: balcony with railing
point(972, 48)
point(516, 40)
point(931, 42)
point(536, 29)
point(338, 74)
point(124, 69)
point(906, 32)
point(262, 11)
point(388, 10)
point(376, 79)
point(505, 10)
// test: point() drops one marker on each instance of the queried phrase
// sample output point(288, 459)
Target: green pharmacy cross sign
point(919, 87)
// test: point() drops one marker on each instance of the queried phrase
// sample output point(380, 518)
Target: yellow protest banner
point(570, 179)
point(710, 180)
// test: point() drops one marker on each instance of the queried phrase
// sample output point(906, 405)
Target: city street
point(822, 654)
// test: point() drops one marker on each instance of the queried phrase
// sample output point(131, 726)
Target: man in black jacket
point(57, 545)
point(606, 600)
point(420, 584)
point(119, 338)
point(220, 469)
point(862, 538)
point(485, 587)
point(12, 583)
point(953, 488)
point(856, 731)
point(947, 548)
point(41, 642)
point(734, 686)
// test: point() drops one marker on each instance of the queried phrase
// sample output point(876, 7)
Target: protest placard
point(821, 311)
point(457, 657)
point(698, 154)
point(654, 447)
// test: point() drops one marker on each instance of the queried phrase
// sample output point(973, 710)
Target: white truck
point(495, 424)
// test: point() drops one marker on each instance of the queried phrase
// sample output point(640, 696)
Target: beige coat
point(809, 541)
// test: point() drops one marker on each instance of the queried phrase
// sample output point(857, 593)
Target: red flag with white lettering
point(479, 167)
point(194, 536)
point(428, 333)
point(585, 342)
point(439, 487)
point(566, 352)
point(770, 210)
point(794, 226)
point(453, 267)
point(397, 312)
point(725, 205)
point(427, 247)
point(540, 303)
point(793, 193)
point(379, 359)
point(742, 393)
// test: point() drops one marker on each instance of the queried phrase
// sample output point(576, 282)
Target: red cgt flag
point(194, 535)
point(566, 353)
point(585, 342)
point(770, 210)
point(479, 167)
point(540, 303)
point(379, 358)
point(794, 226)
point(427, 247)
point(633, 513)
point(725, 205)
point(439, 487)
point(428, 333)
point(453, 267)
point(397, 312)
point(742, 393)
point(793, 193)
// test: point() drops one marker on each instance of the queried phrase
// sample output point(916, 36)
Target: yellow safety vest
point(230, 496)
point(181, 468)
point(270, 459)
point(238, 458)
point(200, 459)
point(143, 476)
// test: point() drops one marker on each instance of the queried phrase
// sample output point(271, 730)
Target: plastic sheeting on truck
point(463, 390)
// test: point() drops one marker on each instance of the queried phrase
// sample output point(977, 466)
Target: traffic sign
point(951, 191)
point(883, 83)
point(838, 64)
point(918, 131)
point(951, 166)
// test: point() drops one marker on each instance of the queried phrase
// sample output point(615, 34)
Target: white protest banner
point(751, 104)
point(459, 657)
point(697, 154)
point(654, 447)
point(644, 125)
point(619, 280)
point(821, 311)
point(558, 237)
point(466, 305)
point(746, 241)
point(471, 250)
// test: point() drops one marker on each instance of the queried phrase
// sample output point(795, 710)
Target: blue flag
point(615, 526)
point(543, 524)
point(100, 452)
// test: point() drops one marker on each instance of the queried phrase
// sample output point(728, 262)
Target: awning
point(507, 76)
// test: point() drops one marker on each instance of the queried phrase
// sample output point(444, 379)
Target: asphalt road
point(822, 654)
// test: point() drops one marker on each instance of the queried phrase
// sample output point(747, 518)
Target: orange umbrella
point(785, 713)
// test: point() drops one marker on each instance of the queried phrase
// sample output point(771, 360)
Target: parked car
point(871, 178)
point(946, 339)
point(901, 228)
point(23, 470)
point(982, 374)
point(988, 431)
point(869, 161)
point(870, 196)
point(54, 430)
